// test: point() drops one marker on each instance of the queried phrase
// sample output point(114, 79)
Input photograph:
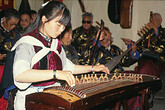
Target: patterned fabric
point(152, 59)
point(7, 40)
point(155, 43)
point(21, 30)
point(71, 53)
point(106, 55)
point(82, 40)
point(52, 60)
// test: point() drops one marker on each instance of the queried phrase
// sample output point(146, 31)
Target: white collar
point(40, 54)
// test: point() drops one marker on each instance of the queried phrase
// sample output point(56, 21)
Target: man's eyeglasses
point(88, 22)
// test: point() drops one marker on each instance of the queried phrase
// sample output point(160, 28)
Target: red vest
point(53, 60)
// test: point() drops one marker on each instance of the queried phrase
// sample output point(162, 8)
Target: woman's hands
point(67, 76)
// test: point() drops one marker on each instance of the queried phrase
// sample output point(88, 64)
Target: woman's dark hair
point(51, 10)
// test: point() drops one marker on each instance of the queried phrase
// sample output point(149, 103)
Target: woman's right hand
point(67, 76)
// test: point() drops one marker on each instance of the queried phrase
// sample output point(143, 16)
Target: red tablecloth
point(3, 102)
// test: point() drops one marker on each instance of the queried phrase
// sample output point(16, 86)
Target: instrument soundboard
point(91, 90)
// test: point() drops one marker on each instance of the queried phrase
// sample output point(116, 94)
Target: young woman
point(39, 58)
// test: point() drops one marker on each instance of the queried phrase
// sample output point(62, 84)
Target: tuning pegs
point(147, 26)
point(140, 34)
point(144, 30)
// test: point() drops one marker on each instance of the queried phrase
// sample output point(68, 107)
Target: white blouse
point(26, 57)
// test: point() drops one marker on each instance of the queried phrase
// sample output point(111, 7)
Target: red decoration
point(4, 4)
point(3, 102)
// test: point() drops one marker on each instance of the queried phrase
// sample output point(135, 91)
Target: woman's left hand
point(102, 68)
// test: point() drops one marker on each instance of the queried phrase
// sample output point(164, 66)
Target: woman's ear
point(44, 19)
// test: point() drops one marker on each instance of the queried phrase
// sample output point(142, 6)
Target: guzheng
point(91, 90)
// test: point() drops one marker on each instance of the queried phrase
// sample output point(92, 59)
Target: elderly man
point(7, 35)
point(83, 37)
point(108, 51)
point(152, 48)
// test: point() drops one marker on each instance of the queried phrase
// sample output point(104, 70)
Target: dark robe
point(7, 40)
point(82, 40)
point(71, 53)
point(152, 59)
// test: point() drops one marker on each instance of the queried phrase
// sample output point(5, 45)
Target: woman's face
point(66, 40)
point(52, 28)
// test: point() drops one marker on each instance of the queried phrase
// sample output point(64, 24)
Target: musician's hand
point(101, 36)
point(2, 56)
point(102, 68)
point(134, 48)
point(152, 26)
point(67, 76)
point(126, 41)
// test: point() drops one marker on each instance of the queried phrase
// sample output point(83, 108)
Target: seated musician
point(83, 37)
point(108, 51)
point(8, 23)
point(65, 38)
point(39, 58)
point(9, 20)
point(152, 49)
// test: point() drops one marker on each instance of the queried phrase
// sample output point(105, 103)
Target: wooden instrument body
point(101, 92)
point(126, 13)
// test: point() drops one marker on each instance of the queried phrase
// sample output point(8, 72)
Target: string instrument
point(144, 32)
point(120, 12)
point(114, 11)
point(92, 62)
point(91, 90)
point(82, 6)
point(126, 13)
